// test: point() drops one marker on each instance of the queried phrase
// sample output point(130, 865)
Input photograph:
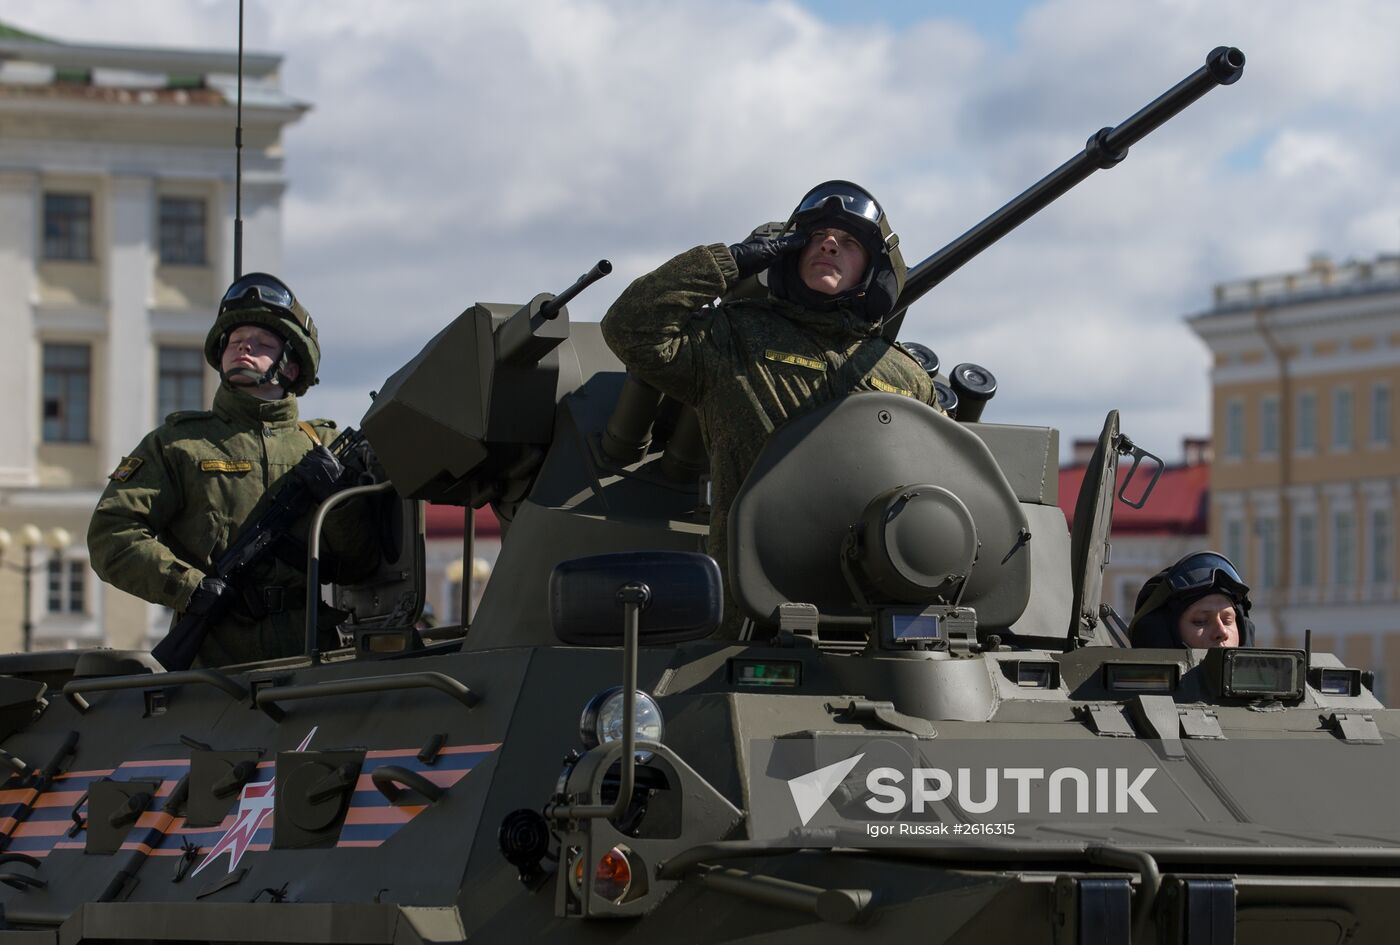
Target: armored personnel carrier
point(930, 734)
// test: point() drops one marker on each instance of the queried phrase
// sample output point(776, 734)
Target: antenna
point(238, 161)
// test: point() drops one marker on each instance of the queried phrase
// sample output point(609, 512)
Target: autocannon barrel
point(552, 307)
point(1105, 148)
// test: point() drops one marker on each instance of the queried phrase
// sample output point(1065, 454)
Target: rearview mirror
point(685, 603)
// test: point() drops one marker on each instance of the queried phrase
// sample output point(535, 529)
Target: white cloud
point(489, 151)
point(1300, 154)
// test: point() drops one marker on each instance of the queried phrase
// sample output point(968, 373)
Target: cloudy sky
point(487, 151)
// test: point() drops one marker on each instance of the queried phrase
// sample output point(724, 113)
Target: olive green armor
point(746, 365)
point(173, 506)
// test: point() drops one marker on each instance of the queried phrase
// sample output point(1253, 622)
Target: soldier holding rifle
point(185, 494)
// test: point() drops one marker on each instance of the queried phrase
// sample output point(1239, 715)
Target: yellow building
point(1306, 479)
point(116, 218)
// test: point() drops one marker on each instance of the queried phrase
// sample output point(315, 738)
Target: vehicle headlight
point(602, 720)
point(612, 878)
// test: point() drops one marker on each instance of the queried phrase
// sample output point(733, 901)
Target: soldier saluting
point(749, 364)
point(175, 504)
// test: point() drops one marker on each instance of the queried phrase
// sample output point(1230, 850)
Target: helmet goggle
point(260, 288)
point(1202, 571)
point(839, 196)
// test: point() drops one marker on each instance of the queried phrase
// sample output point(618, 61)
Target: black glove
point(206, 597)
point(321, 472)
point(757, 253)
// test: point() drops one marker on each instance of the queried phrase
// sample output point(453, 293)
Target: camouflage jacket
point(746, 365)
point(173, 506)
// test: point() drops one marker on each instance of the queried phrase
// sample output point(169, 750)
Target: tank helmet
point(265, 301)
point(849, 207)
point(1167, 594)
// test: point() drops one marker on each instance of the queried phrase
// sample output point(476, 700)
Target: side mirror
point(686, 597)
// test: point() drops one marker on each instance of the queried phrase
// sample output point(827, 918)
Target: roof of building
point(12, 32)
point(121, 96)
point(38, 66)
point(1179, 505)
point(1322, 281)
point(446, 521)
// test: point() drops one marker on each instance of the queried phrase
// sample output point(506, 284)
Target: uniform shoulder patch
point(126, 468)
point(321, 422)
point(180, 416)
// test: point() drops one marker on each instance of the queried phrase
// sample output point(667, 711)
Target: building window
point(68, 75)
point(1307, 422)
point(1380, 415)
point(1343, 548)
point(1341, 418)
point(68, 227)
point(1234, 429)
point(1382, 568)
point(67, 379)
point(180, 383)
point(1268, 426)
point(1266, 530)
point(1234, 544)
point(66, 586)
point(1306, 562)
point(182, 231)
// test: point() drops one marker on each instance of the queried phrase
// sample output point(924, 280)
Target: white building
point(116, 223)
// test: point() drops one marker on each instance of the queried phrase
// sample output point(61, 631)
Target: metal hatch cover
point(1093, 517)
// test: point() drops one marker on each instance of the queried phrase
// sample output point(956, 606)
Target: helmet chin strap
point(273, 375)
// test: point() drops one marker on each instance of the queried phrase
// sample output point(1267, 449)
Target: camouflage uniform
point(746, 365)
point(173, 506)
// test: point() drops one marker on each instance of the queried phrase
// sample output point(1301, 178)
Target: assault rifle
point(256, 541)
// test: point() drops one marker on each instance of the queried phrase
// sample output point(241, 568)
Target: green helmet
point(263, 300)
point(849, 207)
point(1168, 592)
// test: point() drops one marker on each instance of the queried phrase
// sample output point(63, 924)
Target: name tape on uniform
point(782, 357)
point(226, 465)
point(890, 388)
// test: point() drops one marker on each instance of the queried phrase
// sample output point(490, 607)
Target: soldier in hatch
point(749, 364)
point(1200, 602)
point(172, 507)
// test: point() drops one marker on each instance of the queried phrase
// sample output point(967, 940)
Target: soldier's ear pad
point(1246, 628)
point(881, 294)
point(1156, 630)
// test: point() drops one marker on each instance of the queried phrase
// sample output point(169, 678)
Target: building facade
point(116, 220)
point(1306, 479)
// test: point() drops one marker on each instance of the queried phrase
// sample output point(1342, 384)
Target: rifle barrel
point(1105, 148)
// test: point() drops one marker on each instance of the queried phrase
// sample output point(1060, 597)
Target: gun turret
point(466, 422)
point(1104, 149)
